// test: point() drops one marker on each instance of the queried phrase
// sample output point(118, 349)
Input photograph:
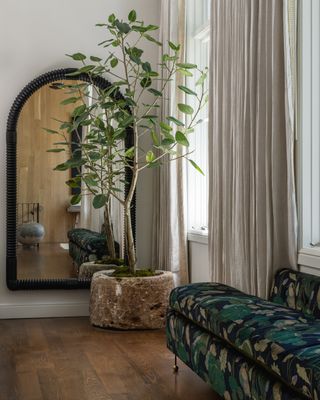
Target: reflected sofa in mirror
point(48, 238)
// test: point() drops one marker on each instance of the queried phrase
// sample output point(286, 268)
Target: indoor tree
point(107, 116)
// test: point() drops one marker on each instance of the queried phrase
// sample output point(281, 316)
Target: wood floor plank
point(68, 359)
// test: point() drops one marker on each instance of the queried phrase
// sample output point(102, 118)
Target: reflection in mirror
point(54, 238)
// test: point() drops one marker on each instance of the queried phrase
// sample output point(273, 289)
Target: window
point(197, 52)
point(309, 137)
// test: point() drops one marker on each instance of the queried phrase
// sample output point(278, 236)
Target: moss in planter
point(110, 260)
point(124, 272)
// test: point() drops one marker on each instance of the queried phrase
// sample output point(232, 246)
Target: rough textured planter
point(89, 268)
point(130, 303)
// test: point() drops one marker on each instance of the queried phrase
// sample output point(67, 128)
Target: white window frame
point(308, 155)
point(201, 36)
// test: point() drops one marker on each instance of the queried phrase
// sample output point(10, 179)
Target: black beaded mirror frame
point(11, 267)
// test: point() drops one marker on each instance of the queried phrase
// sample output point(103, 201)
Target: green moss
point(124, 272)
point(110, 260)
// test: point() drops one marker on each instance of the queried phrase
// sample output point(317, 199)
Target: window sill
point(309, 257)
point(197, 237)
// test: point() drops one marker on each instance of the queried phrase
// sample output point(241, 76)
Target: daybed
point(246, 347)
point(86, 245)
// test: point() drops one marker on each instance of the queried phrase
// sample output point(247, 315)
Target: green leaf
point(86, 69)
point(116, 43)
point(55, 150)
point(167, 57)
point(167, 142)
point(114, 62)
point(175, 47)
point(155, 92)
point(165, 127)
point(132, 16)
point(79, 110)
point(123, 27)
point(77, 56)
point(145, 82)
point(150, 156)
point(185, 72)
point(155, 138)
point(149, 116)
point(130, 152)
point(187, 90)
point(196, 166)
point(95, 59)
point(181, 139)
point(185, 108)
point(175, 121)
point(66, 125)
point(74, 163)
point(90, 181)
point(75, 199)
point(51, 131)
point(111, 18)
point(127, 121)
point(152, 27)
point(146, 66)
point(135, 53)
point(94, 155)
point(61, 167)
point(152, 39)
point(143, 29)
point(70, 100)
point(186, 65)
point(73, 183)
point(99, 200)
point(202, 79)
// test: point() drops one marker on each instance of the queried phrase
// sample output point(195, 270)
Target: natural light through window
point(197, 52)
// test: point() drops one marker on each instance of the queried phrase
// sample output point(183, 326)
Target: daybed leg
point(175, 367)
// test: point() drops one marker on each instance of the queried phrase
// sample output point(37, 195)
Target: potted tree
point(107, 118)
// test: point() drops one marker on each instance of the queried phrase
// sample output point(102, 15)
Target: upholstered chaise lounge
point(86, 245)
point(248, 348)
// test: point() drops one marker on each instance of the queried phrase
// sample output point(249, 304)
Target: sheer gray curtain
point(169, 251)
point(252, 210)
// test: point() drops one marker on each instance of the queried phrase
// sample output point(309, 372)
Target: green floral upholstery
point(297, 290)
point(231, 375)
point(86, 245)
point(283, 341)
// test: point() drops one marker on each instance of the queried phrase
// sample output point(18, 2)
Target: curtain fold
point(252, 210)
point(169, 250)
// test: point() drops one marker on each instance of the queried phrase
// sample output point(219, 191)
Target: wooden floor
point(49, 261)
point(67, 359)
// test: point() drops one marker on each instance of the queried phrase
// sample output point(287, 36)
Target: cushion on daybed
point(280, 339)
point(90, 241)
point(297, 290)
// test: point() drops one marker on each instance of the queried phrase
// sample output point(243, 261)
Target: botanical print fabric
point(231, 375)
point(297, 290)
point(281, 340)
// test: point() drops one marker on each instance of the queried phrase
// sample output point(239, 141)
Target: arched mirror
point(48, 237)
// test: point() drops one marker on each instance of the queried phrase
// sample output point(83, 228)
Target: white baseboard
point(10, 311)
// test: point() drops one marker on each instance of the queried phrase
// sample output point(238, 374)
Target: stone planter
point(89, 268)
point(130, 303)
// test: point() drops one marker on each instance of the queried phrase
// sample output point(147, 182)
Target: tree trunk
point(111, 250)
point(130, 247)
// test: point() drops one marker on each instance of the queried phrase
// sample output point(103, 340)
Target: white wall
point(35, 36)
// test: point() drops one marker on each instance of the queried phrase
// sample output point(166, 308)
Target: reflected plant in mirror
point(101, 159)
point(85, 139)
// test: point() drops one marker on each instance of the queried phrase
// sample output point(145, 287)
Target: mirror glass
point(54, 238)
